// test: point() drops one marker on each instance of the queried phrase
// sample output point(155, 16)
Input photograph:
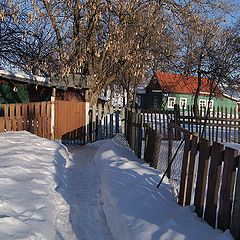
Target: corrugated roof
point(177, 83)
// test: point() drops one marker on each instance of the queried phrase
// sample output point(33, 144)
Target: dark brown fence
point(32, 117)
point(205, 173)
point(210, 179)
point(133, 130)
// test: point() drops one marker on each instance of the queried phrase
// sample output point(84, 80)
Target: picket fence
point(210, 179)
point(221, 124)
point(32, 117)
point(66, 121)
point(209, 175)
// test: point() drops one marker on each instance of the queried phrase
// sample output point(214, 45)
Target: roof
point(178, 83)
point(72, 81)
point(23, 77)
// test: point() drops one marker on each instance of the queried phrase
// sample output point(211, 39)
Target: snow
point(22, 75)
point(31, 170)
point(97, 191)
point(135, 208)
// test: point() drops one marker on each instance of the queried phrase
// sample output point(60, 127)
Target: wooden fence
point(32, 117)
point(210, 179)
point(133, 130)
point(104, 121)
point(221, 125)
point(209, 174)
point(66, 121)
point(69, 121)
point(158, 120)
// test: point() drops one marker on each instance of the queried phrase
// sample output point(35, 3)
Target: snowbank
point(31, 170)
point(135, 208)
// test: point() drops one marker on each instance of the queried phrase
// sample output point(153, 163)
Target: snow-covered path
point(81, 192)
point(100, 191)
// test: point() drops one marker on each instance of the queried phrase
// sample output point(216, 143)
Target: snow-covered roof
point(23, 77)
point(232, 96)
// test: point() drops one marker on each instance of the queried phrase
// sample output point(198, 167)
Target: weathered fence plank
point(191, 170)
point(213, 183)
point(235, 223)
point(226, 193)
point(184, 172)
point(204, 153)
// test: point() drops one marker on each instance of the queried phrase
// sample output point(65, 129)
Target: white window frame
point(169, 102)
point(211, 104)
point(185, 103)
point(202, 103)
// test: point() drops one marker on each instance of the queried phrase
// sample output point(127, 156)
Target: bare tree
point(99, 42)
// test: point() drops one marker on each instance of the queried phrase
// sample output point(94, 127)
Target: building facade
point(166, 89)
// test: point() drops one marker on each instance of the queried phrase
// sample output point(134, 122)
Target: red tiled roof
point(177, 83)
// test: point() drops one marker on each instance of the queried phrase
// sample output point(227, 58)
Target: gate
point(69, 121)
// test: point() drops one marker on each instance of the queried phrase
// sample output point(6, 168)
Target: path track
point(83, 195)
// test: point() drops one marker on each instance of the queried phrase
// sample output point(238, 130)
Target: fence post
point(156, 152)
point(94, 107)
point(117, 121)
point(53, 113)
point(177, 121)
point(170, 147)
point(184, 172)
point(140, 134)
point(86, 139)
point(123, 120)
point(129, 126)
point(111, 121)
point(99, 121)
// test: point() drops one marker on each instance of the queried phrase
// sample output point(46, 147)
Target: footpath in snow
point(94, 192)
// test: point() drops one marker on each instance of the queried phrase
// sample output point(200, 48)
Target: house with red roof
point(167, 89)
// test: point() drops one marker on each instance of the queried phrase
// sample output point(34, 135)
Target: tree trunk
point(195, 104)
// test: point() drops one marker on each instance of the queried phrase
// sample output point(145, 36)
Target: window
point(210, 104)
point(171, 102)
point(183, 103)
point(202, 103)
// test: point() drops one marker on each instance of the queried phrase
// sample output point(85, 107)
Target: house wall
point(217, 101)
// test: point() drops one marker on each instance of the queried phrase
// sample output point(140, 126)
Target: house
point(19, 87)
point(167, 89)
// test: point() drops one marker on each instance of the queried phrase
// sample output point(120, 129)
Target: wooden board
point(235, 224)
point(184, 172)
point(204, 152)
point(213, 183)
point(69, 117)
point(226, 193)
point(191, 170)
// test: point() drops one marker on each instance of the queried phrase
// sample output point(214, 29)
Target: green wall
point(218, 101)
point(7, 95)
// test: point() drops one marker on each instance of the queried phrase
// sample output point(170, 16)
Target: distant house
point(167, 89)
point(19, 87)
